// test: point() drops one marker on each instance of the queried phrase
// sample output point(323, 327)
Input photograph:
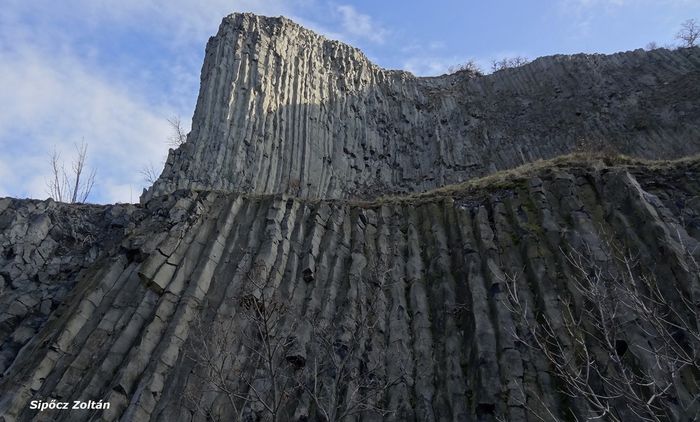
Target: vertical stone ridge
point(284, 110)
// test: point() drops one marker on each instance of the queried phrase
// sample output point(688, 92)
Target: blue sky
point(112, 72)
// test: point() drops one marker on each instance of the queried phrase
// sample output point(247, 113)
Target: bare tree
point(266, 355)
point(651, 46)
point(508, 62)
point(149, 173)
point(338, 380)
point(689, 33)
point(213, 353)
point(73, 187)
point(178, 135)
point(592, 354)
point(273, 386)
point(470, 66)
point(243, 357)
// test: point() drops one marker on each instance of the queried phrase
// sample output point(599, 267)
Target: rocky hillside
point(45, 245)
point(413, 289)
point(284, 110)
point(283, 268)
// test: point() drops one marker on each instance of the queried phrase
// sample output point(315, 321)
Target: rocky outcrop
point(257, 280)
point(284, 110)
point(428, 271)
point(45, 246)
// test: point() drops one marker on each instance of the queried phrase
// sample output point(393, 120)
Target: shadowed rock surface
point(45, 245)
point(122, 303)
point(282, 109)
point(432, 269)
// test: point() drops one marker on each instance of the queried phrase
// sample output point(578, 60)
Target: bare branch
point(689, 33)
point(470, 67)
point(73, 188)
point(149, 173)
point(588, 348)
point(57, 185)
point(508, 62)
point(178, 135)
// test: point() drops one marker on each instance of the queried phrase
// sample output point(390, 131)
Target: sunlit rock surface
point(279, 196)
point(284, 110)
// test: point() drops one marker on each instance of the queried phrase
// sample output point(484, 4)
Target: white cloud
point(428, 65)
point(50, 101)
point(360, 25)
point(583, 15)
point(184, 21)
point(434, 65)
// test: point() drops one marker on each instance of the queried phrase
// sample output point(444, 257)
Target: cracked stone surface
point(123, 331)
point(284, 110)
point(109, 302)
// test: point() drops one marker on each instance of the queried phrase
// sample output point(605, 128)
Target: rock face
point(428, 273)
point(282, 109)
point(230, 294)
point(45, 245)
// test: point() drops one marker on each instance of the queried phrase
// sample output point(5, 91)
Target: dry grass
point(514, 177)
point(505, 179)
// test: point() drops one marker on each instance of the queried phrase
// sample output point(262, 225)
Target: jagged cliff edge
point(107, 302)
point(284, 110)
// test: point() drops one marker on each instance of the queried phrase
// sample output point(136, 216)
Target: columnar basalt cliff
point(428, 272)
point(274, 273)
point(282, 109)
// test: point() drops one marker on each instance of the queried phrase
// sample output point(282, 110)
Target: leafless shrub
point(266, 355)
point(689, 33)
point(243, 357)
point(178, 135)
point(149, 173)
point(470, 66)
point(273, 386)
point(508, 62)
point(213, 353)
point(651, 46)
point(338, 380)
point(73, 187)
point(592, 354)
